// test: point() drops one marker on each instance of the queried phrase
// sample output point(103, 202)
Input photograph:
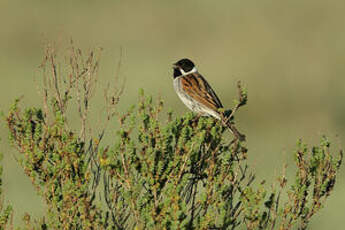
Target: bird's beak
point(174, 65)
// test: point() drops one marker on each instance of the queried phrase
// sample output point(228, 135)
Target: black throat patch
point(177, 72)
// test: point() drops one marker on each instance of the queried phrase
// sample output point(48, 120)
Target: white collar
point(194, 70)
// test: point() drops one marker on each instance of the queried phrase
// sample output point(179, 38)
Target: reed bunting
point(197, 94)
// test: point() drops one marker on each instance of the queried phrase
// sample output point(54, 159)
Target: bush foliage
point(5, 211)
point(159, 172)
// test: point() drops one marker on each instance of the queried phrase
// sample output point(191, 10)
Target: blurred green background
point(290, 54)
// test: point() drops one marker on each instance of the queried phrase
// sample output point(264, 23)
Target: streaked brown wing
point(197, 87)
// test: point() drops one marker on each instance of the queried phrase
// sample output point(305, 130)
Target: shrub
point(5, 211)
point(159, 172)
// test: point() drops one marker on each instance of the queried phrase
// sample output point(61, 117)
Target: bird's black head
point(183, 66)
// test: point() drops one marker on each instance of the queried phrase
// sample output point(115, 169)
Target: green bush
point(160, 172)
point(5, 211)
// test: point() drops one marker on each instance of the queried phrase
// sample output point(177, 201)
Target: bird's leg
point(198, 115)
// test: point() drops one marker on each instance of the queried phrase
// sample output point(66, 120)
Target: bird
point(196, 93)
